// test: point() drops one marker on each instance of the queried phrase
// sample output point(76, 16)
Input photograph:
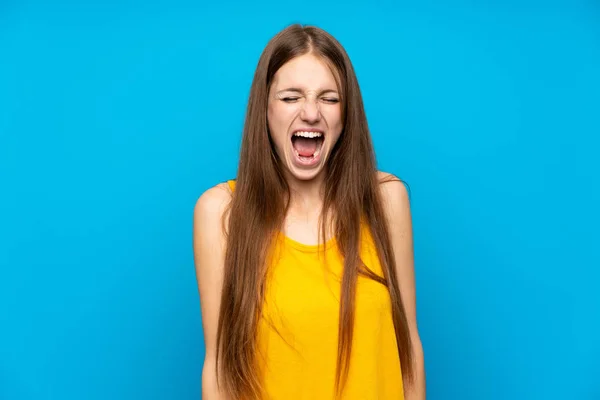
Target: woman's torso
point(298, 332)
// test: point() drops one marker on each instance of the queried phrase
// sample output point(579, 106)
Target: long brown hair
point(258, 209)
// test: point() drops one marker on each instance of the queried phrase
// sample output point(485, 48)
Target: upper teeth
point(308, 134)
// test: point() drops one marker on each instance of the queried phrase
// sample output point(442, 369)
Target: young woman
point(304, 262)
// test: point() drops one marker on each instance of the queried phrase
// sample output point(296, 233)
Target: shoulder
point(209, 232)
point(211, 206)
point(394, 193)
point(213, 199)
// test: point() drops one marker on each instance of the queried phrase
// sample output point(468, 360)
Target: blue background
point(115, 118)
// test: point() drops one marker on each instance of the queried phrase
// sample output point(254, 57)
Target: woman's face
point(304, 115)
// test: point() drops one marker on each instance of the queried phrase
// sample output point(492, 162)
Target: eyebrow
point(293, 89)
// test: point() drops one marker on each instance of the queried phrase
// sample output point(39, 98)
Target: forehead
point(307, 72)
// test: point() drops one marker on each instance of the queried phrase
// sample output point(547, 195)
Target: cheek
point(276, 119)
point(334, 119)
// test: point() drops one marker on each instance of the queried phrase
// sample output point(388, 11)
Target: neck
point(306, 205)
point(306, 196)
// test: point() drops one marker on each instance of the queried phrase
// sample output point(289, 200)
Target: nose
point(310, 111)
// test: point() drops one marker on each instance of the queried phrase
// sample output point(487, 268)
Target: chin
point(306, 176)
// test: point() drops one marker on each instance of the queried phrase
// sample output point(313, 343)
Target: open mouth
point(307, 145)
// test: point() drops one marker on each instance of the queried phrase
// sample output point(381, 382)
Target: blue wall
point(114, 119)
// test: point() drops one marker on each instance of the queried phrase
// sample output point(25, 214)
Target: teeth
point(308, 134)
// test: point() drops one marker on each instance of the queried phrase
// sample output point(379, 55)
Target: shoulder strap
point(231, 184)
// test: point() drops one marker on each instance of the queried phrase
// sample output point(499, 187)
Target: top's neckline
point(306, 247)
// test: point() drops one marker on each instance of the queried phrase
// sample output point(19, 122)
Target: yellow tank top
point(298, 332)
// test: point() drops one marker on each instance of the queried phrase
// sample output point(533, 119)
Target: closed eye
point(291, 99)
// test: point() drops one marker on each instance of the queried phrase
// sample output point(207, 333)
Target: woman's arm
point(209, 250)
point(397, 207)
